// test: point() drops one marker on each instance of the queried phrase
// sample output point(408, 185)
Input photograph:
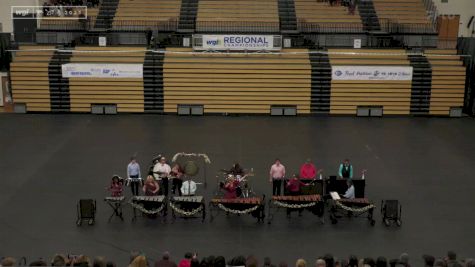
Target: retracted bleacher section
point(29, 78)
point(245, 83)
point(238, 16)
point(126, 93)
point(448, 80)
point(237, 83)
point(347, 95)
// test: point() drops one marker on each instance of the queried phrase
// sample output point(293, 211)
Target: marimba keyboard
point(300, 198)
point(187, 199)
point(114, 199)
point(250, 200)
point(355, 201)
point(149, 198)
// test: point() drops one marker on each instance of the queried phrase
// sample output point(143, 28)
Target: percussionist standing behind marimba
point(133, 171)
point(151, 187)
point(276, 175)
point(177, 174)
point(345, 170)
point(350, 192)
point(115, 187)
point(161, 171)
point(293, 188)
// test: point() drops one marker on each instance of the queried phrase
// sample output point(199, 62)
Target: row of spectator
point(192, 260)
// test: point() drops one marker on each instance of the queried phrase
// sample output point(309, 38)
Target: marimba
point(150, 205)
point(188, 206)
point(116, 204)
point(251, 205)
point(312, 203)
point(352, 208)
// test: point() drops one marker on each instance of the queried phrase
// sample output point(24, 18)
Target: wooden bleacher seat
point(313, 15)
point(237, 16)
point(143, 14)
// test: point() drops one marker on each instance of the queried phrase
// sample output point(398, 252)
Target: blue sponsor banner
point(239, 42)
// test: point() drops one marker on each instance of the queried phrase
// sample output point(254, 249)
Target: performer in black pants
point(161, 171)
point(276, 175)
point(133, 171)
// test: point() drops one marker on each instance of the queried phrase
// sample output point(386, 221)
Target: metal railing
point(432, 12)
point(142, 25)
point(394, 27)
point(329, 27)
point(237, 26)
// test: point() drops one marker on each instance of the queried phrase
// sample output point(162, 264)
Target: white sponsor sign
point(85, 70)
point(370, 73)
point(357, 43)
point(102, 41)
point(239, 42)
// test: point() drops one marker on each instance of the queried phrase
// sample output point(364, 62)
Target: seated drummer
point(230, 187)
point(236, 170)
point(350, 192)
point(294, 185)
point(177, 174)
point(308, 170)
point(151, 187)
point(345, 170)
point(115, 187)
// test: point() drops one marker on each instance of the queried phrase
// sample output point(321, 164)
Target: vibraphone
point(351, 208)
point(150, 205)
point(188, 206)
point(116, 204)
point(251, 205)
point(312, 203)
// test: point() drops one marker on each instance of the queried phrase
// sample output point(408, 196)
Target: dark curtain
point(5, 56)
point(466, 46)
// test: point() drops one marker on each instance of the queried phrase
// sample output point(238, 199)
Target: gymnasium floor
point(48, 162)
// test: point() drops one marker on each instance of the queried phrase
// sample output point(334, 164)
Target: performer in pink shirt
point(230, 188)
point(294, 185)
point(276, 175)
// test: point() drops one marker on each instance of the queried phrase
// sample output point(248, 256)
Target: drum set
point(244, 188)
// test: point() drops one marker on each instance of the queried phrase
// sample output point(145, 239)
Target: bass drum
point(238, 191)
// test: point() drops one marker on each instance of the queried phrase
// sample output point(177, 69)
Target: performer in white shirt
point(161, 171)
point(188, 188)
point(350, 192)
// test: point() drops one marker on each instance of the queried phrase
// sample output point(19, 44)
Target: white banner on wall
point(87, 70)
point(239, 42)
point(372, 73)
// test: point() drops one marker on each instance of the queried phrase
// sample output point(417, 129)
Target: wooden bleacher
point(237, 16)
point(346, 96)
point(142, 14)
point(58, 23)
point(236, 83)
point(402, 11)
point(448, 81)
point(127, 93)
point(29, 77)
point(313, 15)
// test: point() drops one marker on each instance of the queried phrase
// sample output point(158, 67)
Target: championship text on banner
point(239, 42)
point(78, 70)
point(371, 73)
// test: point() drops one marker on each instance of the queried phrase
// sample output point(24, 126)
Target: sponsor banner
point(372, 73)
point(86, 70)
point(239, 42)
